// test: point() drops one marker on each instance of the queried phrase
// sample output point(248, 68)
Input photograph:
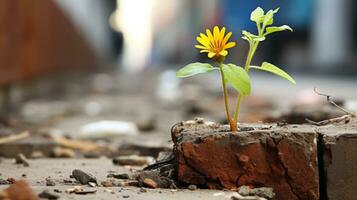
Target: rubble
point(50, 182)
point(46, 194)
point(83, 177)
point(21, 159)
point(28, 146)
point(260, 192)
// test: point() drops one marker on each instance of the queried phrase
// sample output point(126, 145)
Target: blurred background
point(65, 64)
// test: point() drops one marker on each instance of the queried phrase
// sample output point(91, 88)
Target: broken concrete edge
point(322, 143)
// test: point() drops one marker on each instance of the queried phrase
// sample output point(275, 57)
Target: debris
point(13, 138)
point(20, 190)
point(85, 146)
point(50, 182)
point(192, 187)
point(57, 190)
point(83, 177)
point(126, 196)
point(48, 195)
point(27, 146)
point(4, 182)
point(107, 183)
point(108, 129)
point(152, 179)
point(133, 160)
point(11, 180)
point(92, 184)
point(148, 182)
point(119, 176)
point(143, 190)
point(59, 152)
point(80, 190)
point(260, 192)
point(21, 159)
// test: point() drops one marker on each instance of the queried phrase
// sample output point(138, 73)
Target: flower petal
point(223, 53)
point(221, 37)
point(204, 51)
point(211, 54)
point(229, 45)
point(203, 41)
point(200, 47)
point(226, 38)
point(216, 35)
point(210, 36)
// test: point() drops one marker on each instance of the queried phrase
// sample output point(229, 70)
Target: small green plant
point(216, 44)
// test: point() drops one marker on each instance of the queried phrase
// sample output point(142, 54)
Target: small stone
point(24, 175)
point(83, 177)
point(11, 180)
point(133, 160)
point(48, 195)
point(21, 159)
point(4, 182)
point(57, 190)
point(264, 192)
point(143, 190)
point(50, 182)
point(192, 187)
point(107, 183)
point(150, 183)
point(125, 196)
point(60, 152)
point(92, 184)
point(119, 176)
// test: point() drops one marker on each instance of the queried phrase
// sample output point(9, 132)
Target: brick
point(281, 157)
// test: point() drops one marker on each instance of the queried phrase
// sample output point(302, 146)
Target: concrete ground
point(60, 169)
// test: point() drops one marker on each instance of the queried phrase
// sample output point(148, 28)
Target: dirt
point(61, 169)
point(281, 157)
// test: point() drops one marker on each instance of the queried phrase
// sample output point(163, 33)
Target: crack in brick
point(286, 174)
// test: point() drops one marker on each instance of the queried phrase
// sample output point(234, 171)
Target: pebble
point(83, 177)
point(48, 195)
point(4, 182)
point(21, 159)
point(50, 182)
point(192, 187)
point(148, 182)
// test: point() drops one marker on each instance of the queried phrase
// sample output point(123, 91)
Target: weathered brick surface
point(339, 148)
point(283, 158)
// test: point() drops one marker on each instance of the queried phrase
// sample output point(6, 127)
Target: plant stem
point(252, 48)
point(233, 126)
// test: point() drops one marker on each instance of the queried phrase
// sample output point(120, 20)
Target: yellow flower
point(215, 44)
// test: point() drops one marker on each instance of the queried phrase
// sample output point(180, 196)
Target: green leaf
point(251, 37)
point(269, 17)
point(275, 70)
point(193, 69)
point(238, 78)
point(257, 15)
point(274, 29)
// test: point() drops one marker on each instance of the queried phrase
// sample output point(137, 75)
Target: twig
point(13, 138)
point(345, 118)
point(328, 97)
